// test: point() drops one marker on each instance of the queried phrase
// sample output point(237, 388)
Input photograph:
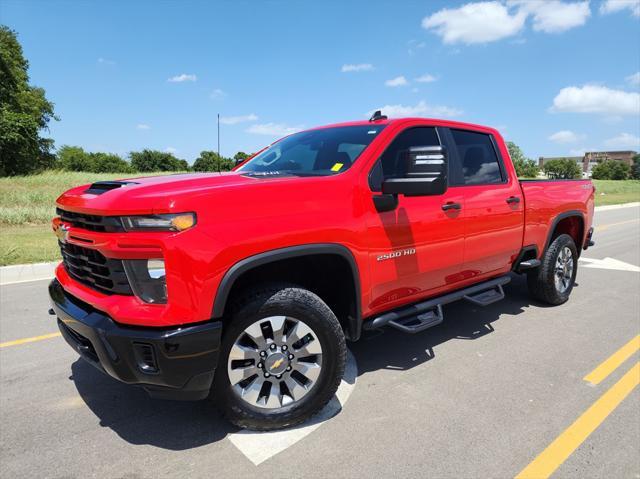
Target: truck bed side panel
point(545, 201)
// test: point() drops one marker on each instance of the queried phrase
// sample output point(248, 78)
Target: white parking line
point(260, 446)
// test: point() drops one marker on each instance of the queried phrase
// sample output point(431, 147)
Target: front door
point(417, 247)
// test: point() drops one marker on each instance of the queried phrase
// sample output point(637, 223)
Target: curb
point(22, 273)
point(615, 207)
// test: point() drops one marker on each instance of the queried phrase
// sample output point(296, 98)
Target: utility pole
point(219, 158)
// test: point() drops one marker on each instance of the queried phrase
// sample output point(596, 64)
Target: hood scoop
point(100, 187)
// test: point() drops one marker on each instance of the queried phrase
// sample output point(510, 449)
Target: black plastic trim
point(247, 264)
point(522, 254)
point(185, 357)
point(554, 224)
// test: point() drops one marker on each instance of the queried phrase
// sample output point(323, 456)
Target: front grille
point(92, 268)
point(104, 224)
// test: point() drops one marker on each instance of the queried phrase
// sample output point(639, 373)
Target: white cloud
point(105, 61)
point(420, 109)
point(397, 81)
point(566, 136)
point(613, 6)
point(217, 94)
point(356, 67)
point(479, 22)
point(415, 45)
point(143, 126)
point(623, 140)
point(554, 16)
point(426, 78)
point(596, 99)
point(171, 149)
point(273, 129)
point(182, 78)
point(634, 79)
point(234, 120)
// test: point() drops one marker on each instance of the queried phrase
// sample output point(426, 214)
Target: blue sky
point(557, 77)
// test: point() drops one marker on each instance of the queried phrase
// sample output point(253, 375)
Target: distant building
point(592, 158)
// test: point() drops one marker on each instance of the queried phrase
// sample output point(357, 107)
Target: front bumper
point(170, 363)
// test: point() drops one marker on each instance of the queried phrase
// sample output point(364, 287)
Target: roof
point(390, 121)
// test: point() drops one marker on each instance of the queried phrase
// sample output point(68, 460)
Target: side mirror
point(425, 173)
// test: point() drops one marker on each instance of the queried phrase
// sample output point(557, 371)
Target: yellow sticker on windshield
point(337, 167)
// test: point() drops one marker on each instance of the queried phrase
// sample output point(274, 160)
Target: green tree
point(635, 169)
point(525, 167)
point(240, 157)
point(74, 158)
point(210, 161)
point(109, 163)
point(610, 170)
point(24, 113)
point(153, 160)
point(563, 168)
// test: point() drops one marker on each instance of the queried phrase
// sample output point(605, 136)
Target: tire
point(552, 282)
point(278, 321)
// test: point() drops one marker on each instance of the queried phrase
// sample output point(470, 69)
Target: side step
point(415, 324)
point(485, 298)
point(420, 316)
point(528, 264)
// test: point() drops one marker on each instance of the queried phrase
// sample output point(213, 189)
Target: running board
point(421, 316)
point(485, 298)
point(528, 264)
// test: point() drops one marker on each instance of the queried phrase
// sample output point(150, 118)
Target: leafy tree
point(74, 158)
point(24, 113)
point(153, 160)
point(109, 163)
point(184, 166)
point(635, 169)
point(240, 157)
point(210, 161)
point(525, 167)
point(610, 170)
point(563, 168)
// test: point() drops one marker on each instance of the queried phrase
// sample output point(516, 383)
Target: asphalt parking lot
point(481, 395)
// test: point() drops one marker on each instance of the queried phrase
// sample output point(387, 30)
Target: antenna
point(219, 159)
point(377, 115)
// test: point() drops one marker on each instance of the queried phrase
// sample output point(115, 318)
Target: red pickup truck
point(246, 284)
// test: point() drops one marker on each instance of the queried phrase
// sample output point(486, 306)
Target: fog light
point(147, 279)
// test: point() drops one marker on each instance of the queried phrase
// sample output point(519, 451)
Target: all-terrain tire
point(274, 300)
point(542, 282)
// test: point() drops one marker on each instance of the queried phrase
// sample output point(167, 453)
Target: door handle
point(450, 205)
point(513, 200)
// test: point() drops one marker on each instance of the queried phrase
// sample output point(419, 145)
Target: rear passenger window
point(478, 158)
point(392, 163)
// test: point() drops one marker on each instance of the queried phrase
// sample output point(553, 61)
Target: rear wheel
point(282, 358)
point(553, 281)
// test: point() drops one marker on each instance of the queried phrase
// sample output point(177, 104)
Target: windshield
point(327, 151)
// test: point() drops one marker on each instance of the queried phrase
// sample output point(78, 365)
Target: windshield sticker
point(372, 132)
point(337, 167)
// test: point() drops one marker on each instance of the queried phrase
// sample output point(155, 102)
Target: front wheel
point(552, 282)
point(283, 356)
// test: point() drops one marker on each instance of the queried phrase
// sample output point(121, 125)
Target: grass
point(27, 204)
point(613, 192)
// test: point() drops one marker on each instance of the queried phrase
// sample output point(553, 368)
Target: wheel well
point(330, 276)
point(572, 226)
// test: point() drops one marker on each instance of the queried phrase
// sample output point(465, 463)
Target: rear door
point(493, 203)
point(417, 247)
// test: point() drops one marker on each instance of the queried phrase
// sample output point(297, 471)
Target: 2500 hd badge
point(396, 254)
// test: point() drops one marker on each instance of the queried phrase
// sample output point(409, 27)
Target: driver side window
point(392, 162)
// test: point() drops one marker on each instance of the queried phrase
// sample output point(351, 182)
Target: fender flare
point(554, 224)
point(238, 269)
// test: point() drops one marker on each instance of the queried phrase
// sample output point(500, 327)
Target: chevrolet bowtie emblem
point(62, 233)
point(277, 363)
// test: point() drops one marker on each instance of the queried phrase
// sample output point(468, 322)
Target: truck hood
point(156, 194)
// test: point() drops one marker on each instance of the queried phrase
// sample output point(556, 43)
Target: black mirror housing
point(425, 173)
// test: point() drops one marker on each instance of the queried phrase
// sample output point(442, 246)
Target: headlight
point(147, 279)
point(173, 222)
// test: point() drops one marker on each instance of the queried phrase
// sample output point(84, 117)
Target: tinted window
point(325, 151)
point(392, 163)
point(478, 157)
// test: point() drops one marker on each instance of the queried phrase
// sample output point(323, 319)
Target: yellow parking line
point(559, 450)
point(29, 340)
point(609, 365)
